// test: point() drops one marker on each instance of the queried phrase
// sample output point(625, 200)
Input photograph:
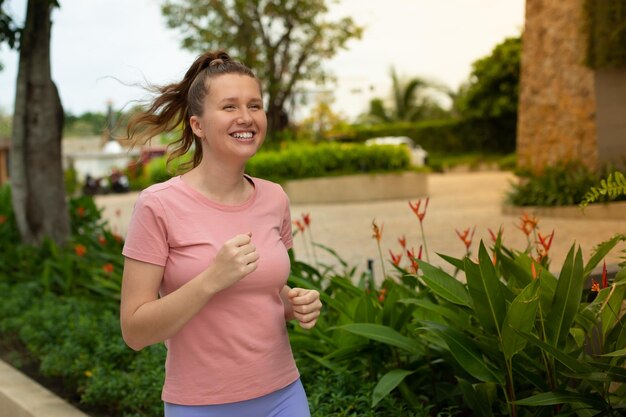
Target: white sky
point(95, 42)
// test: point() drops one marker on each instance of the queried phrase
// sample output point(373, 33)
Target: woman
point(206, 256)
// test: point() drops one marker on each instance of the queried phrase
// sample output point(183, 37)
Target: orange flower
point(107, 268)
point(306, 218)
point(528, 224)
point(495, 236)
point(495, 258)
point(595, 287)
point(378, 232)
point(466, 237)
point(605, 279)
point(534, 272)
point(411, 255)
point(402, 241)
point(395, 259)
point(299, 225)
point(102, 240)
point(3, 219)
point(80, 211)
point(80, 250)
point(382, 294)
point(415, 207)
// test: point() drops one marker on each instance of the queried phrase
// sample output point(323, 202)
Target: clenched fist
point(306, 306)
point(235, 259)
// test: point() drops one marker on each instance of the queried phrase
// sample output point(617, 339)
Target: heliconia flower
point(80, 250)
point(382, 294)
point(377, 232)
point(605, 280)
point(411, 255)
point(80, 211)
point(102, 240)
point(466, 237)
point(494, 236)
point(306, 218)
point(533, 271)
point(495, 258)
point(415, 207)
point(402, 241)
point(546, 241)
point(595, 287)
point(107, 268)
point(528, 224)
point(3, 219)
point(301, 226)
point(395, 259)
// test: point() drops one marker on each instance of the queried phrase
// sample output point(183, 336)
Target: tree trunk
point(277, 118)
point(36, 168)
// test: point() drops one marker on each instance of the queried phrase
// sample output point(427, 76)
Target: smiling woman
point(206, 255)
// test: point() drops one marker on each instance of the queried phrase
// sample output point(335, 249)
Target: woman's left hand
point(306, 306)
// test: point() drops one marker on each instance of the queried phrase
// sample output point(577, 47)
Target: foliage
point(411, 101)
point(605, 27)
point(613, 187)
point(284, 42)
point(559, 185)
point(9, 31)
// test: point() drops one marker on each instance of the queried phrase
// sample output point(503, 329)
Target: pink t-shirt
point(236, 348)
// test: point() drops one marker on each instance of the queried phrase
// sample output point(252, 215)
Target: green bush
point(559, 185)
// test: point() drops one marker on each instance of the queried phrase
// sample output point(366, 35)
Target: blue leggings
point(290, 401)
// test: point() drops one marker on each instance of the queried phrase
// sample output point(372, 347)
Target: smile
point(242, 135)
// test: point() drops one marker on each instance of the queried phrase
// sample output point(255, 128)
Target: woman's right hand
point(236, 258)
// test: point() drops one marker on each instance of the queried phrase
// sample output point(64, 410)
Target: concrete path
point(457, 201)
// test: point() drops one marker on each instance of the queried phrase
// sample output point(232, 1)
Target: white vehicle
point(419, 156)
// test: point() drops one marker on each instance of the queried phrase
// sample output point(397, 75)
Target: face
point(233, 123)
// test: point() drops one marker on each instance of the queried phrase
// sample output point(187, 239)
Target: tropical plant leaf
point(600, 253)
point(455, 262)
point(473, 398)
point(564, 397)
point(384, 334)
point(572, 363)
point(617, 353)
point(468, 355)
point(326, 363)
point(388, 383)
point(521, 316)
point(444, 285)
point(566, 299)
point(486, 292)
point(458, 316)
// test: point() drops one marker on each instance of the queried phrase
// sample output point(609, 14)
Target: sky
point(105, 50)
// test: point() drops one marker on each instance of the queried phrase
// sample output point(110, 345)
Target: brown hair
point(177, 102)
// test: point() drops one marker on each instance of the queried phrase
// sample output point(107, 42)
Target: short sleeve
point(146, 238)
point(285, 228)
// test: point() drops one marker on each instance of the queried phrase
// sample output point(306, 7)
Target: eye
point(229, 107)
point(255, 106)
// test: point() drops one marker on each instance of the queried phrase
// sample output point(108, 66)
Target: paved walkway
point(457, 201)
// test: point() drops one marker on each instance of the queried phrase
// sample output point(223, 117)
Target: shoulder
point(267, 186)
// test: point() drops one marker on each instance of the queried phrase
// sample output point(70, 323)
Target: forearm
point(160, 319)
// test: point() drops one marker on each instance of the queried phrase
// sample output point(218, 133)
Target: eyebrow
point(237, 99)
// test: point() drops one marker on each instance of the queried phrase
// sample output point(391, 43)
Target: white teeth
point(243, 135)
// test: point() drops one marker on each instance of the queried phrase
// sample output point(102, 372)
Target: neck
point(224, 183)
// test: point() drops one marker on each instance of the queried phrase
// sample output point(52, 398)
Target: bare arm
point(147, 319)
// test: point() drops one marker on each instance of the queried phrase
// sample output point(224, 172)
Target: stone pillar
point(556, 120)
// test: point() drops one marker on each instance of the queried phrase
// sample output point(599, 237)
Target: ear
point(196, 127)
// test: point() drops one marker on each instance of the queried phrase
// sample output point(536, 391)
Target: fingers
point(306, 306)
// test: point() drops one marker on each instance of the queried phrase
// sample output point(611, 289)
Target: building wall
point(556, 119)
point(611, 116)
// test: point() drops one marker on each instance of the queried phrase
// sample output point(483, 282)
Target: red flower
point(299, 225)
point(546, 241)
point(102, 240)
point(595, 287)
point(528, 224)
point(3, 219)
point(80, 211)
point(416, 208)
point(378, 232)
point(466, 237)
point(494, 236)
point(534, 272)
point(395, 259)
point(411, 255)
point(107, 268)
point(382, 294)
point(80, 250)
point(605, 280)
point(306, 218)
point(402, 241)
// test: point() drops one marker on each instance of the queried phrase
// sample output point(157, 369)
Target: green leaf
point(473, 398)
point(486, 292)
point(600, 253)
point(521, 316)
point(383, 334)
point(617, 353)
point(455, 262)
point(564, 397)
point(458, 316)
point(468, 355)
point(566, 299)
point(388, 383)
point(569, 361)
point(444, 285)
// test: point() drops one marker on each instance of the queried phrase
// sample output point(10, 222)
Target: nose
point(244, 117)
